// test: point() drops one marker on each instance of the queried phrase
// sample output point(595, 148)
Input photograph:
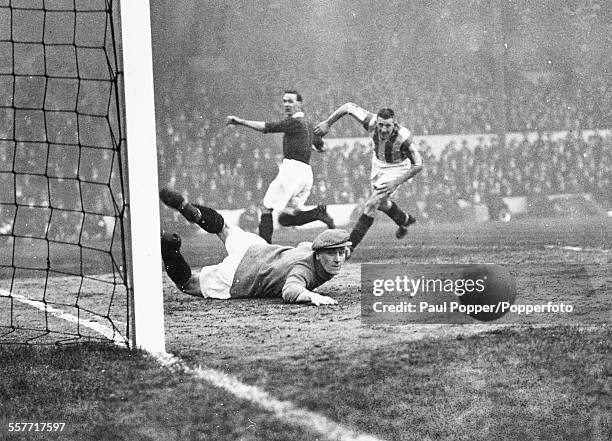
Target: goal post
point(147, 295)
point(80, 256)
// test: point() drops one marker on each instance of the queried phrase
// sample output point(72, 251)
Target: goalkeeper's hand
point(231, 120)
point(318, 300)
point(308, 296)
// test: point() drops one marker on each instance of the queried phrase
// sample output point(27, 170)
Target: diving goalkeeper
point(253, 268)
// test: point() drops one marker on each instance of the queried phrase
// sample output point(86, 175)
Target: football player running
point(289, 191)
point(395, 160)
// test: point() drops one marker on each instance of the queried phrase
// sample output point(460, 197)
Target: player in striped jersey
point(395, 160)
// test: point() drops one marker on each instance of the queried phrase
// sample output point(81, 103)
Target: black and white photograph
point(343, 220)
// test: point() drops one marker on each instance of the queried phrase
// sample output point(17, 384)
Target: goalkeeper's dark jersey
point(265, 269)
point(299, 137)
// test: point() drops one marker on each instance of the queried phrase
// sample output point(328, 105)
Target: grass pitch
point(510, 384)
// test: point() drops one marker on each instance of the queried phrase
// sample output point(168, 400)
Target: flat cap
point(333, 238)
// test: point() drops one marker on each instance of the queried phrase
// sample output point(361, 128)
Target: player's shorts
point(385, 173)
point(290, 189)
point(216, 280)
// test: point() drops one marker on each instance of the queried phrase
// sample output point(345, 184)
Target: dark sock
point(211, 221)
point(361, 228)
point(396, 214)
point(266, 226)
point(299, 218)
point(177, 268)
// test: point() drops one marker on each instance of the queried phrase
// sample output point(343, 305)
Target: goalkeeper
point(253, 268)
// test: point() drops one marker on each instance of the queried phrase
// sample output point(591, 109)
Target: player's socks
point(266, 226)
point(396, 214)
point(402, 230)
point(305, 217)
point(210, 220)
point(325, 217)
point(360, 229)
point(176, 267)
point(290, 220)
point(174, 199)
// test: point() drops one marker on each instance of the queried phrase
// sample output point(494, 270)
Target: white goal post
point(147, 328)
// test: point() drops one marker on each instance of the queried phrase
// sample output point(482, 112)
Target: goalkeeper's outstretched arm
point(359, 113)
point(295, 290)
point(297, 293)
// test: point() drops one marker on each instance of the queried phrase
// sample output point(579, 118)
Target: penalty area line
point(284, 411)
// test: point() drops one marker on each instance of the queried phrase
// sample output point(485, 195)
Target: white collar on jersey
point(298, 115)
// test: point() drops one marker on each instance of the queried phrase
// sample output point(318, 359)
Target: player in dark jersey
point(395, 160)
point(252, 267)
point(290, 189)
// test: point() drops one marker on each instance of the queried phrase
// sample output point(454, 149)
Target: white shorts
point(385, 173)
point(290, 189)
point(216, 280)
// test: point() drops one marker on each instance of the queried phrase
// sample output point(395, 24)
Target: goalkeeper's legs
point(207, 218)
point(177, 268)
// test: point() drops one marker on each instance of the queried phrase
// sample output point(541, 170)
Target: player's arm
point(260, 126)
point(367, 119)
point(295, 291)
point(415, 169)
point(415, 157)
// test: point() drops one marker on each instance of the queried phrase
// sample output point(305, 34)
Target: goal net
point(65, 242)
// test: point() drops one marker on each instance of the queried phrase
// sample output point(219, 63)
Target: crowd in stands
point(231, 168)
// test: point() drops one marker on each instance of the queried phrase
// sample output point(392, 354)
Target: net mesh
point(63, 275)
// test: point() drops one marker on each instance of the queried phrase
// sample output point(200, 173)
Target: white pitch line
point(106, 331)
point(283, 410)
point(577, 249)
